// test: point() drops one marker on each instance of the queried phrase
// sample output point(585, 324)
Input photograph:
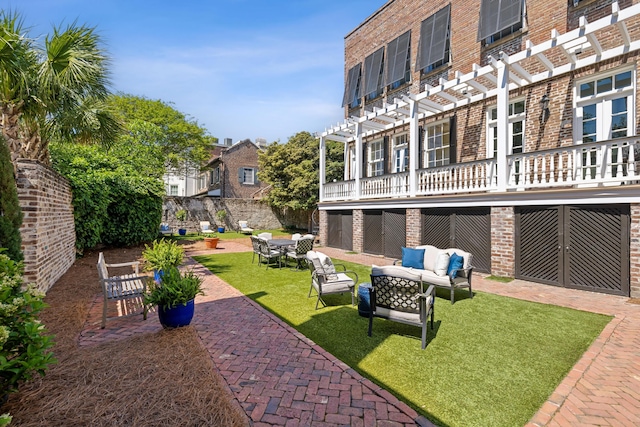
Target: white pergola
point(571, 51)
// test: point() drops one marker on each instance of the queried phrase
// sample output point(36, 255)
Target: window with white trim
point(173, 190)
point(515, 136)
point(400, 153)
point(436, 145)
point(604, 109)
point(375, 158)
point(247, 176)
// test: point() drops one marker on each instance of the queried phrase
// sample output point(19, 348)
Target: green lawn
point(491, 361)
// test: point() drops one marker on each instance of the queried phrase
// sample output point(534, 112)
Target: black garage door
point(385, 232)
point(468, 229)
point(582, 247)
point(340, 230)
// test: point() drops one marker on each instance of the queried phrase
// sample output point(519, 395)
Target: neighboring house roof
point(219, 151)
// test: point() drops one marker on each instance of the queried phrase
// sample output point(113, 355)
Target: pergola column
point(503, 124)
point(414, 136)
point(323, 161)
point(359, 160)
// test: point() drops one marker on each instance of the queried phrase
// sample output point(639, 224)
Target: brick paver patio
point(282, 378)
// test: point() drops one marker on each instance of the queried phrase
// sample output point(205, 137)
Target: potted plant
point(221, 215)
point(181, 216)
point(24, 343)
point(161, 256)
point(174, 297)
point(211, 241)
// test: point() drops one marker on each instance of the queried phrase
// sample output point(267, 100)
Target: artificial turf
point(490, 360)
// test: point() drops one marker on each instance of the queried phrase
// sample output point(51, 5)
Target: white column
point(359, 159)
point(347, 161)
point(414, 135)
point(323, 161)
point(503, 124)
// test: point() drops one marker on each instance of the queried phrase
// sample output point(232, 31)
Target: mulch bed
point(154, 379)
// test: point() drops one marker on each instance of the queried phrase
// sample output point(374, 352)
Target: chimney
point(261, 142)
point(228, 142)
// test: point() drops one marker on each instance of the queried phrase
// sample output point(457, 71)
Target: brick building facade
point(507, 129)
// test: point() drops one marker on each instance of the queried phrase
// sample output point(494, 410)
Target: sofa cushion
point(413, 258)
point(430, 256)
point(456, 262)
point(396, 271)
point(442, 264)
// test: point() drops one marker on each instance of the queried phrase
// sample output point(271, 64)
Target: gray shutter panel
point(240, 175)
point(372, 64)
point(352, 86)
point(255, 176)
point(434, 35)
point(397, 51)
point(496, 15)
point(453, 139)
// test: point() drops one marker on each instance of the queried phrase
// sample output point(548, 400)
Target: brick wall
point(634, 252)
point(358, 230)
point(241, 155)
point(502, 241)
point(48, 232)
point(414, 227)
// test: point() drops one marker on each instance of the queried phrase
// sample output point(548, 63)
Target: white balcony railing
point(612, 162)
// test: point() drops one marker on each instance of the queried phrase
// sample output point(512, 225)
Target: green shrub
point(175, 289)
point(163, 255)
point(10, 212)
point(23, 341)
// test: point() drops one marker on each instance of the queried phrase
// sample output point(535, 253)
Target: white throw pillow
point(442, 264)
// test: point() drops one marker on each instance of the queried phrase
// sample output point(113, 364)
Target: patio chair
point(296, 236)
point(325, 279)
point(299, 251)
point(122, 287)
point(266, 236)
point(255, 243)
point(165, 229)
point(268, 254)
point(397, 294)
point(205, 228)
point(244, 228)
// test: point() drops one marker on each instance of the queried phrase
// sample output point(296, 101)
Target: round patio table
point(281, 242)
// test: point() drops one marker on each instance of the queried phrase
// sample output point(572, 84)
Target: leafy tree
point(160, 133)
point(52, 91)
point(292, 170)
point(10, 212)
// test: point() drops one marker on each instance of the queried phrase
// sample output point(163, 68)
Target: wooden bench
point(122, 287)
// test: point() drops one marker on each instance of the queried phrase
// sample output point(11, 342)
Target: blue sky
point(241, 68)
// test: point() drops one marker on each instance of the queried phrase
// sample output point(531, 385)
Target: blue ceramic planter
point(157, 275)
point(180, 315)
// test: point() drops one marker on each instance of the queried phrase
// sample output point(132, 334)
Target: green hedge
point(113, 204)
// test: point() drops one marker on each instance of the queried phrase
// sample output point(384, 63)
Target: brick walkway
point(282, 378)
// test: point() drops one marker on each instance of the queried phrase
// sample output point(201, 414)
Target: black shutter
point(434, 35)
point(420, 146)
point(496, 15)
point(453, 139)
point(365, 172)
point(385, 155)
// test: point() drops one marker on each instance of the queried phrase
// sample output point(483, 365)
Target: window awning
point(588, 44)
point(352, 88)
point(434, 35)
point(397, 53)
point(373, 79)
point(496, 15)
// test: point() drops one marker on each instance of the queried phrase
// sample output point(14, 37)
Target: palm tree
point(57, 91)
